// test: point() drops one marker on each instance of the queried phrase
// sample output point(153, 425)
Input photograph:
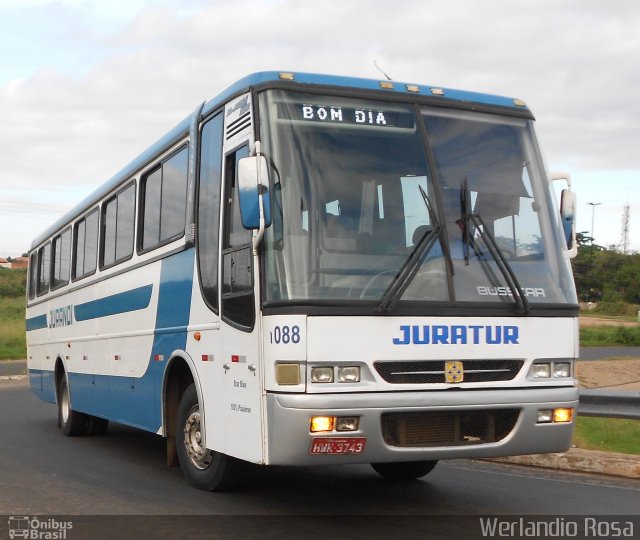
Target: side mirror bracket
point(253, 193)
point(568, 213)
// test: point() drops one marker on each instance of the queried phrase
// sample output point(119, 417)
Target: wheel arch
point(178, 375)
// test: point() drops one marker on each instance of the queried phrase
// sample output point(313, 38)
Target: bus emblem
point(453, 372)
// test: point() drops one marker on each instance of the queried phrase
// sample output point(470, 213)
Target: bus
point(314, 269)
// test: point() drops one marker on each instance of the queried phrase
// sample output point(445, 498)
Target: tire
point(205, 469)
point(97, 426)
point(408, 470)
point(72, 422)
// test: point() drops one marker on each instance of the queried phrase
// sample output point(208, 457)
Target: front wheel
point(204, 468)
point(407, 470)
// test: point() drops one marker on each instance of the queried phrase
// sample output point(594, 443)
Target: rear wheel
point(204, 468)
point(72, 422)
point(408, 470)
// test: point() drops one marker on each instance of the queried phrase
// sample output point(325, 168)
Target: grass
point(603, 336)
point(607, 434)
point(12, 328)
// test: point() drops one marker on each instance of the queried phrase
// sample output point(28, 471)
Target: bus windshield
point(353, 194)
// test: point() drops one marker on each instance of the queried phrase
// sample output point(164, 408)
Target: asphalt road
point(123, 473)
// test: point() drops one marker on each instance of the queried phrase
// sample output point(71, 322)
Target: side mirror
point(253, 188)
point(568, 214)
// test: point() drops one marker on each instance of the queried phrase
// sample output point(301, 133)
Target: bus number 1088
point(285, 335)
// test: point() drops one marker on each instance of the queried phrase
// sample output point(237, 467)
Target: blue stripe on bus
point(43, 382)
point(123, 302)
point(36, 323)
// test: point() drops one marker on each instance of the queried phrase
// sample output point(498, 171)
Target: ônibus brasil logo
point(36, 528)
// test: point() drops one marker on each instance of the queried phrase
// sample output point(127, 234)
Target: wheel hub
point(199, 456)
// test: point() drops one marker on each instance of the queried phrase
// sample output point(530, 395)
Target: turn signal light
point(562, 415)
point(321, 423)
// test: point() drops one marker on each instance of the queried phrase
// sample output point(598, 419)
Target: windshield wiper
point(522, 304)
point(410, 267)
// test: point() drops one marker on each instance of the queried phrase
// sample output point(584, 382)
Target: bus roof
point(294, 80)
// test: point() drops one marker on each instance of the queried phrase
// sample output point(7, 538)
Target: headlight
point(541, 371)
point(322, 375)
point(561, 369)
point(349, 374)
point(347, 423)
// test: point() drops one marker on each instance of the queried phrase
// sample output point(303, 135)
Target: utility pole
point(624, 240)
point(593, 213)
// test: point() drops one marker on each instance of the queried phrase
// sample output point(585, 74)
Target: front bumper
point(289, 415)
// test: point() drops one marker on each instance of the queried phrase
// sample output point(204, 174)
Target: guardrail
point(608, 404)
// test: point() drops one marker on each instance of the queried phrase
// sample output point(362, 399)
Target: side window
point(86, 246)
point(237, 273)
point(164, 201)
point(208, 222)
point(61, 259)
point(33, 275)
point(44, 268)
point(235, 234)
point(117, 228)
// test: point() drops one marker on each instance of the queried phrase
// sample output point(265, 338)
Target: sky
point(86, 85)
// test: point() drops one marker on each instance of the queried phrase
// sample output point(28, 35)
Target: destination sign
point(365, 116)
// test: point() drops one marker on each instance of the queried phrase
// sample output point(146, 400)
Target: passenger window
point(33, 275)
point(118, 218)
point(61, 259)
point(44, 268)
point(86, 246)
point(164, 201)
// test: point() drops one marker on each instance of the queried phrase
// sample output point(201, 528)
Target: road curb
point(577, 459)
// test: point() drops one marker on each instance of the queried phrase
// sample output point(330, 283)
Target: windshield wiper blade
point(522, 304)
point(410, 267)
point(408, 270)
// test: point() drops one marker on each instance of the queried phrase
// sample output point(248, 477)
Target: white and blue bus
point(313, 269)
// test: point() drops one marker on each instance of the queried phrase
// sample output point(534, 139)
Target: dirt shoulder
point(618, 373)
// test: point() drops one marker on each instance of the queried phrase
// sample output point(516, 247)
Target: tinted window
point(165, 201)
point(118, 216)
point(209, 208)
point(44, 268)
point(236, 234)
point(33, 275)
point(61, 259)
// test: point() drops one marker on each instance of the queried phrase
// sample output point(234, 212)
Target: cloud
point(574, 62)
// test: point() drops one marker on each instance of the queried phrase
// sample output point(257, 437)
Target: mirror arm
point(255, 151)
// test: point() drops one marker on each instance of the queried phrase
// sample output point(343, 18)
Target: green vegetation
point(12, 291)
point(13, 282)
point(613, 336)
point(12, 336)
point(607, 434)
point(608, 277)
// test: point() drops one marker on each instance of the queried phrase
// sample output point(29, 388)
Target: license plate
point(337, 445)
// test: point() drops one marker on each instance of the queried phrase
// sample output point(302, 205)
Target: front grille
point(433, 371)
point(447, 428)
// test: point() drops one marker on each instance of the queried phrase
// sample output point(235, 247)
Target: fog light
point(541, 371)
point(349, 374)
point(321, 423)
point(561, 369)
point(545, 416)
point(562, 415)
point(288, 374)
point(322, 375)
point(347, 423)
